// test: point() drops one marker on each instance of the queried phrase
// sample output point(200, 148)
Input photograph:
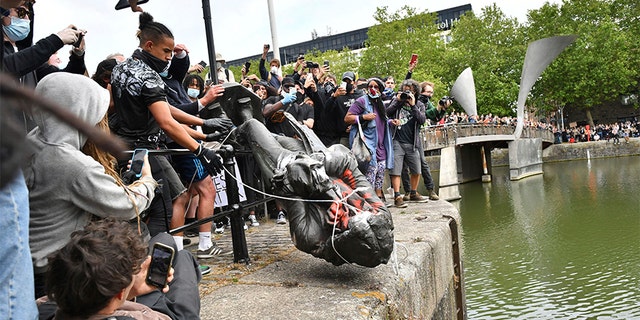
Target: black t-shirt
point(406, 130)
point(342, 105)
point(135, 86)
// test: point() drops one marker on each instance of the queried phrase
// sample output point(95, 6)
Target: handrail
point(443, 135)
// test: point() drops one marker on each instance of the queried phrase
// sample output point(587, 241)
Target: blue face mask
point(193, 93)
point(18, 29)
point(164, 73)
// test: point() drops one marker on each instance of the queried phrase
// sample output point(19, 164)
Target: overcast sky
point(240, 27)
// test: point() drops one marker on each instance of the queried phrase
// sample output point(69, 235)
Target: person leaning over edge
point(140, 102)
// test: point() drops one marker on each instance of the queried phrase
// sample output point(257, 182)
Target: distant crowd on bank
point(607, 132)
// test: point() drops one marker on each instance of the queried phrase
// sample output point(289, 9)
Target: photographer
point(338, 105)
point(409, 115)
point(433, 113)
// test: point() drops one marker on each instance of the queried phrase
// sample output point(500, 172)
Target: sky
point(240, 27)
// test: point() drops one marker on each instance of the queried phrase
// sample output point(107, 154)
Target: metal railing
point(440, 136)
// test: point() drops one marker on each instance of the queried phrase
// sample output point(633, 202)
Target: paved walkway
point(282, 282)
point(266, 243)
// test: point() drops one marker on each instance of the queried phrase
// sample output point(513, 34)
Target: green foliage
point(599, 67)
point(399, 35)
point(494, 47)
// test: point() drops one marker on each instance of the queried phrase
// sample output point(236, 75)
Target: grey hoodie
point(67, 187)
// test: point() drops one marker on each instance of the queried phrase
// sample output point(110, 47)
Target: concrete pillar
point(525, 158)
point(449, 174)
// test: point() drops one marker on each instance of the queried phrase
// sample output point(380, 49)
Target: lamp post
point(561, 117)
point(206, 12)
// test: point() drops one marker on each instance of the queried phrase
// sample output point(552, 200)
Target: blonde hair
point(107, 160)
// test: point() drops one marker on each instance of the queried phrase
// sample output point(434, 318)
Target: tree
point(395, 38)
point(494, 47)
point(598, 68)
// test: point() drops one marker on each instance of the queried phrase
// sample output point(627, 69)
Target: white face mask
point(193, 93)
point(274, 69)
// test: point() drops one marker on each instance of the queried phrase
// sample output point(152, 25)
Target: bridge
point(465, 152)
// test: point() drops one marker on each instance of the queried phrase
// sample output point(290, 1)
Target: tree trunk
point(590, 118)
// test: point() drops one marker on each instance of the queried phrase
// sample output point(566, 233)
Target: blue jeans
point(16, 269)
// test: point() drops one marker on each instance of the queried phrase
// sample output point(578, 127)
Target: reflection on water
point(563, 245)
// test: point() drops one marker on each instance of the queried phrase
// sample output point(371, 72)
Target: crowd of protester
point(607, 132)
point(77, 204)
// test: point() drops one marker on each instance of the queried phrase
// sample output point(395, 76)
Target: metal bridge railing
point(440, 136)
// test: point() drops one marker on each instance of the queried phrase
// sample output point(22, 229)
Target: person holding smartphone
point(106, 265)
point(70, 180)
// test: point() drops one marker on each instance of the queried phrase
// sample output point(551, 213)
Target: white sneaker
point(282, 219)
point(254, 221)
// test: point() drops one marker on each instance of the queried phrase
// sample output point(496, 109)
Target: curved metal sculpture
point(539, 55)
point(464, 91)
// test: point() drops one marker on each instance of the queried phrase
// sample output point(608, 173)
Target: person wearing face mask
point(410, 112)
point(188, 167)
point(224, 75)
point(370, 112)
point(290, 101)
point(274, 75)
point(338, 104)
point(193, 85)
point(140, 101)
point(434, 114)
point(29, 63)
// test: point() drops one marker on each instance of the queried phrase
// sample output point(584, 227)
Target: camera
point(312, 65)
point(444, 100)
point(329, 88)
point(405, 95)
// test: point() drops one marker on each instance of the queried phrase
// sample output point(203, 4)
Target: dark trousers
point(183, 299)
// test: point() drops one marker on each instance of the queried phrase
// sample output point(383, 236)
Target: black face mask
point(156, 64)
point(299, 97)
point(424, 99)
point(349, 87)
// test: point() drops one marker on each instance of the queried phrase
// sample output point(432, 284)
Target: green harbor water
point(563, 245)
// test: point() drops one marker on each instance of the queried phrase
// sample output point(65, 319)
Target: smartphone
point(79, 41)
point(161, 259)
point(309, 76)
point(414, 58)
point(203, 64)
point(208, 82)
point(246, 66)
point(326, 63)
point(137, 161)
point(268, 46)
point(343, 85)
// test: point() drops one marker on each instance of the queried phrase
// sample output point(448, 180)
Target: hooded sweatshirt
point(66, 187)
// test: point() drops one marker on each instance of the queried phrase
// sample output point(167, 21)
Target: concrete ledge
point(295, 285)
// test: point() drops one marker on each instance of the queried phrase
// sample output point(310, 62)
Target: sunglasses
point(22, 12)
